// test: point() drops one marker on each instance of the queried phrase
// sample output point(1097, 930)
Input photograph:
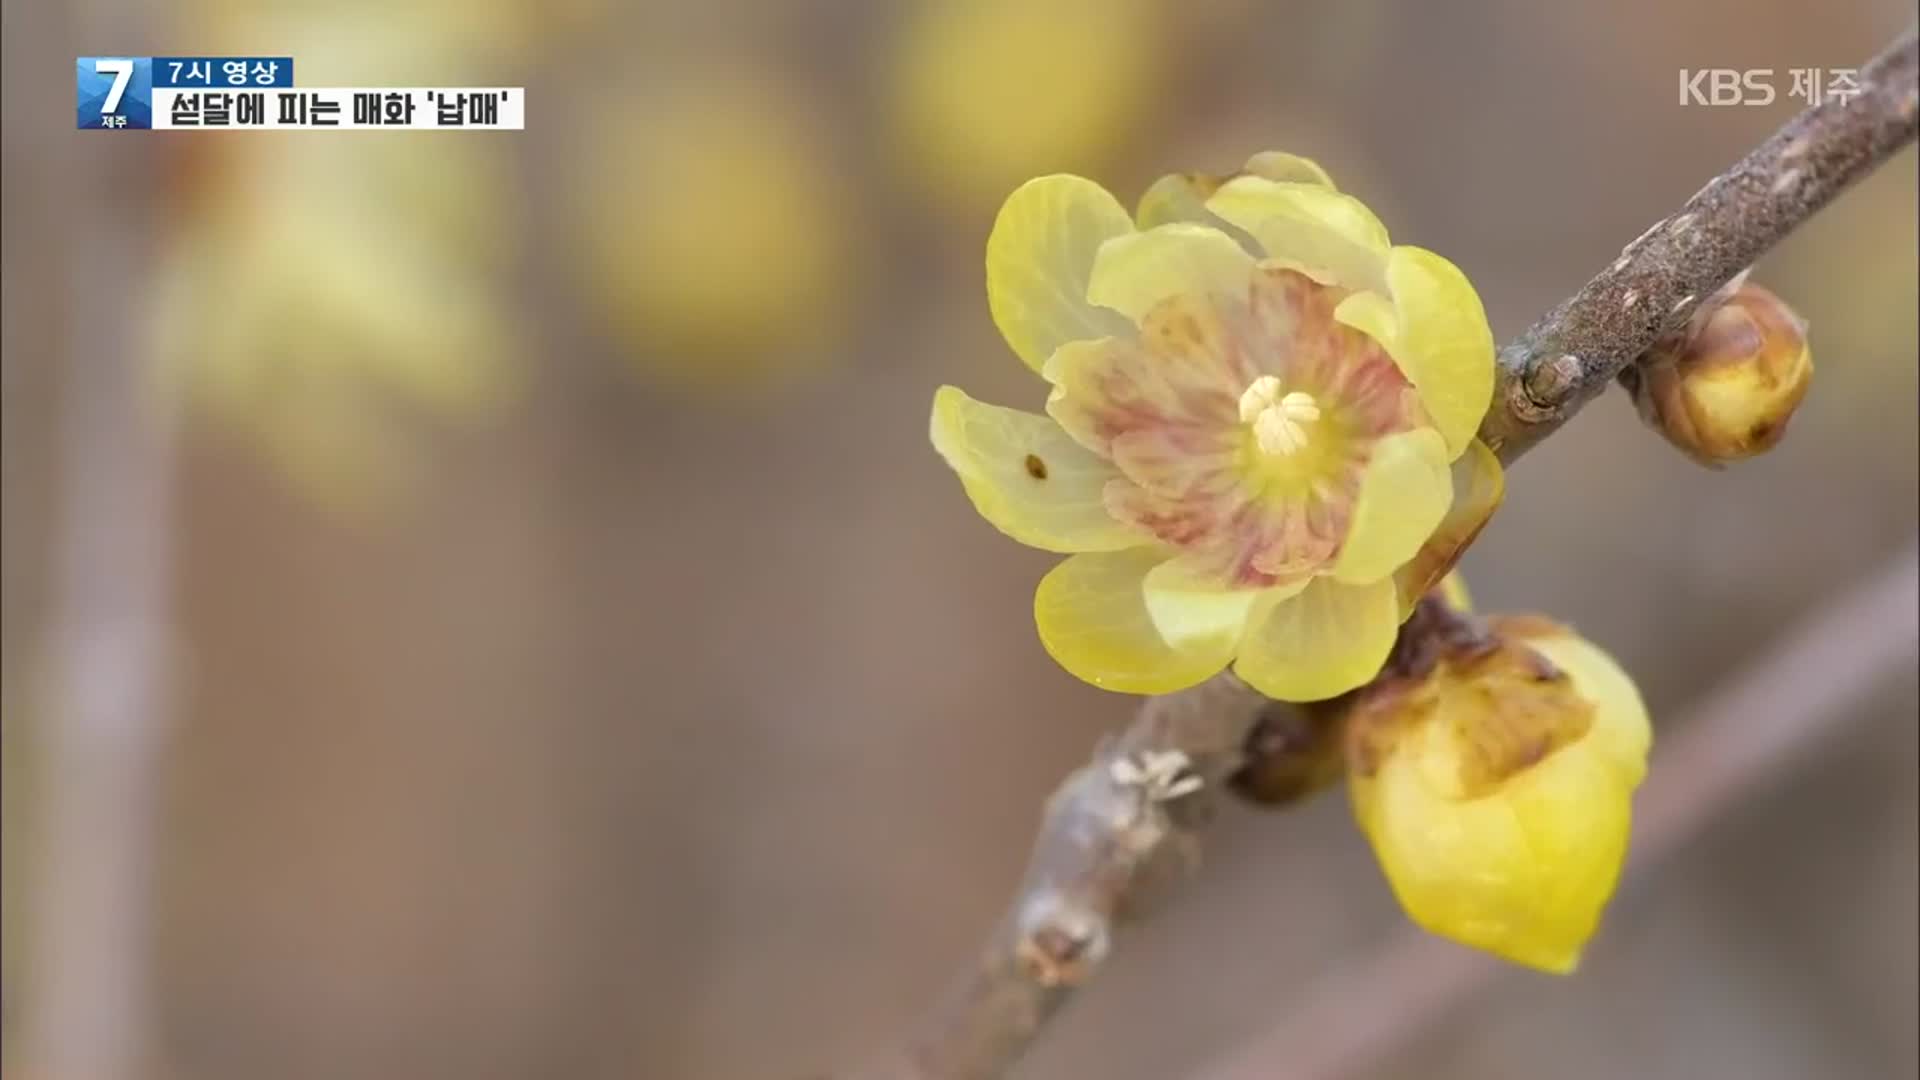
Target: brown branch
point(1762, 719)
point(1570, 356)
point(1130, 820)
point(1114, 829)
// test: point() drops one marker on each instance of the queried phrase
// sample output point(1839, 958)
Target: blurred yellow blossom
point(710, 226)
point(1261, 413)
point(1496, 788)
point(318, 292)
point(987, 92)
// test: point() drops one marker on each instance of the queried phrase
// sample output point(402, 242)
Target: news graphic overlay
point(257, 93)
point(114, 91)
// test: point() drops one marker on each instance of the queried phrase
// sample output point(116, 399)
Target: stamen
point(1279, 420)
point(1259, 397)
point(1300, 407)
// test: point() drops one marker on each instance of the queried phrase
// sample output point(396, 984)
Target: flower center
point(1280, 420)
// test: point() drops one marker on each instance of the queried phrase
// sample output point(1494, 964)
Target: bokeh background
point(484, 606)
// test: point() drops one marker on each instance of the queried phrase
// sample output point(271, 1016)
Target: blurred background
point(484, 605)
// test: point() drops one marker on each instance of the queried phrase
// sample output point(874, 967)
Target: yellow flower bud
point(1724, 388)
point(1495, 787)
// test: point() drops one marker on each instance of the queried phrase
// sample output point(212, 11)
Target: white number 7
point(122, 71)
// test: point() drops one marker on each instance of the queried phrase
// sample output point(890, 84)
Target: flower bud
point(1495, 787)
point(1724, 387)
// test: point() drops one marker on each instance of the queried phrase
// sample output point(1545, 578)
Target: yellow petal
point(1523, 873)
point(1040, 258)
point(1478, 486)
point(1183, 196)
point(1026, 476)
point(1192, 611)
point(1332, 236)
point(1443, 344)
point(1288, 168)
point(1178, 197)
point(1404, 495)
point(1620, 726)
point(1092, 614)
point(1322, 643)
point(1134, 272)
point(1371, 314)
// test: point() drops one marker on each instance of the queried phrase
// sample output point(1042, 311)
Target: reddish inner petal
point(1167, 410)
point(1172, 376)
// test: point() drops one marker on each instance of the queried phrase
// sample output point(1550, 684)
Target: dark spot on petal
point(1035, 467)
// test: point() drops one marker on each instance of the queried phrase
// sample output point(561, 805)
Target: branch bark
point(1567, 358)
point(1128, 824)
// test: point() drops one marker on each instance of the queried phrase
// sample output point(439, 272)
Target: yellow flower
point(1496, 789)
point(709, 228)
point(986, 92)
point(1258, 446)
point(318, 297)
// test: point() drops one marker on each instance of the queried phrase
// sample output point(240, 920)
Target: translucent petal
point(1194, 611)
point(1040, 258)
point(1478, 486)
point(1331, 235)
point(1026, 476)
point(1132, 273)
point(1323, 642)
point(1183, 196)
point(1092, 614)
point(1178, 197)
point(1404, 495)
point(1523, 873)
point(1443, 343)
point(1371, 314)
point(1289, 168)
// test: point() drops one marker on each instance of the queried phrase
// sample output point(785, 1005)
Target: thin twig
point(1110, 831)
point(1801, 690)
point(1116, 826)
point(1570, 356)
